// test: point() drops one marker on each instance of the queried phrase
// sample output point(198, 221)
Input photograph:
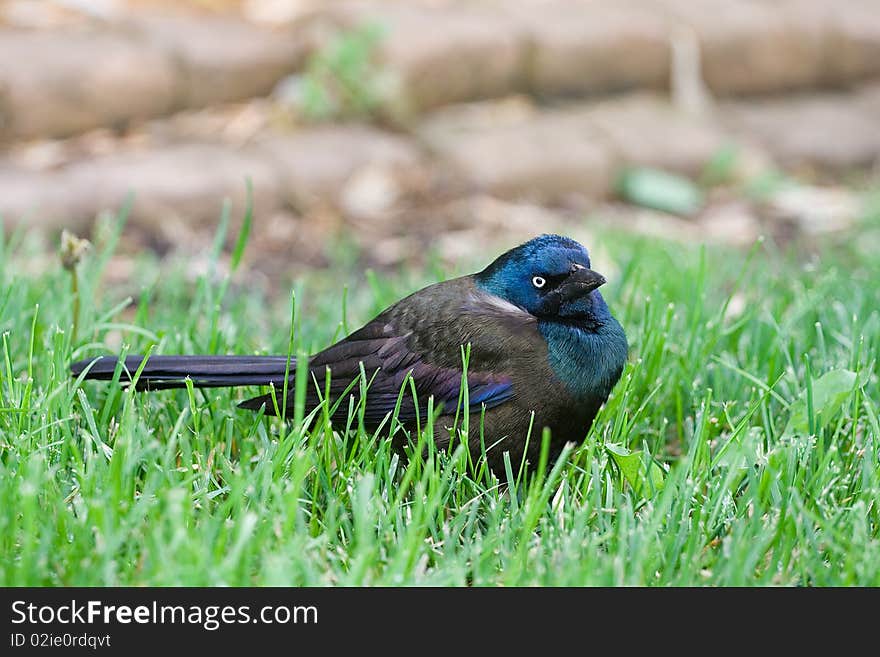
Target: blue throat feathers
point(587, 361)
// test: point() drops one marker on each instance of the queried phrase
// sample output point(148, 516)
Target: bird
point(541, 346)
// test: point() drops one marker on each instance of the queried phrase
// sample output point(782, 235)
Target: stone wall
point(537, 102)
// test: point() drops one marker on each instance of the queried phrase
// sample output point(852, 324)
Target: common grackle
point(542, 341)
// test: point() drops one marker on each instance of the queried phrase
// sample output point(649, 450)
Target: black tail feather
point(163, 372)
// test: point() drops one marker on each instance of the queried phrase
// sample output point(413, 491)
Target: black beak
point(579, 283)
point(583, 281)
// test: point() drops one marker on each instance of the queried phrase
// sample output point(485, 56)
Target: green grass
point(727, 454)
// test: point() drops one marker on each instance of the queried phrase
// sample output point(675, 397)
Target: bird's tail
point(162, 372)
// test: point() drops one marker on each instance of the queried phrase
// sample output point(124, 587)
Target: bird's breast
point(588, 362)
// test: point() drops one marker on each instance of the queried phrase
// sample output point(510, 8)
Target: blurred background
point(386, 130)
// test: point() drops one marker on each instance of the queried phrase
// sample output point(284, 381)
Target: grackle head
point(549, 277)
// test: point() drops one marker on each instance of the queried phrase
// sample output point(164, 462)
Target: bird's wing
point(388, 363)
point(386, 352)
point(421, 338)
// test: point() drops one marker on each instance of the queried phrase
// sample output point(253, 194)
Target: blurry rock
point(754, 47)
point(730, 222)
point(188, 181)
point(444, 54)
point(315, 163)
point(658, 224)
point(466, 117)
point(282, 241)
point(370, 192)
point(221, 59)
point(513, 149)
point(497, 214)
point(852, 37)
point(35, 199)
point(751, 162)
point(867, 99)
point(290, 90)
point(101, 9)
point(464, 244)
point(390, 251)
point(244, 125)
point(824, 130)
point(815, 209)
point(277, 12)
point(37, 14)
point(453, 52)
point(67, 82)
point(646, 130)
point(602, 46)
point(233, 123)
point(461, 229)
point(54, 154)
point(840, 37)
point(547, 156)
point(40, 154)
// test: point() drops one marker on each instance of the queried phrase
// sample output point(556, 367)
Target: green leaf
point(630, 463)
point(660, 190)
point(657, 476)
point(830, 392)
point(642, 479)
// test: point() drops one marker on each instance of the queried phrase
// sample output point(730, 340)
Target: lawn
point(740, 447)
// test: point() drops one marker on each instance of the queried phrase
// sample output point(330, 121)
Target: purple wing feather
point(388, 362)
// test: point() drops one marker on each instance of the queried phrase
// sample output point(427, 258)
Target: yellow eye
point(539, 282)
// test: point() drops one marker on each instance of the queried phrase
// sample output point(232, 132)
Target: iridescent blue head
point(550, 277)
